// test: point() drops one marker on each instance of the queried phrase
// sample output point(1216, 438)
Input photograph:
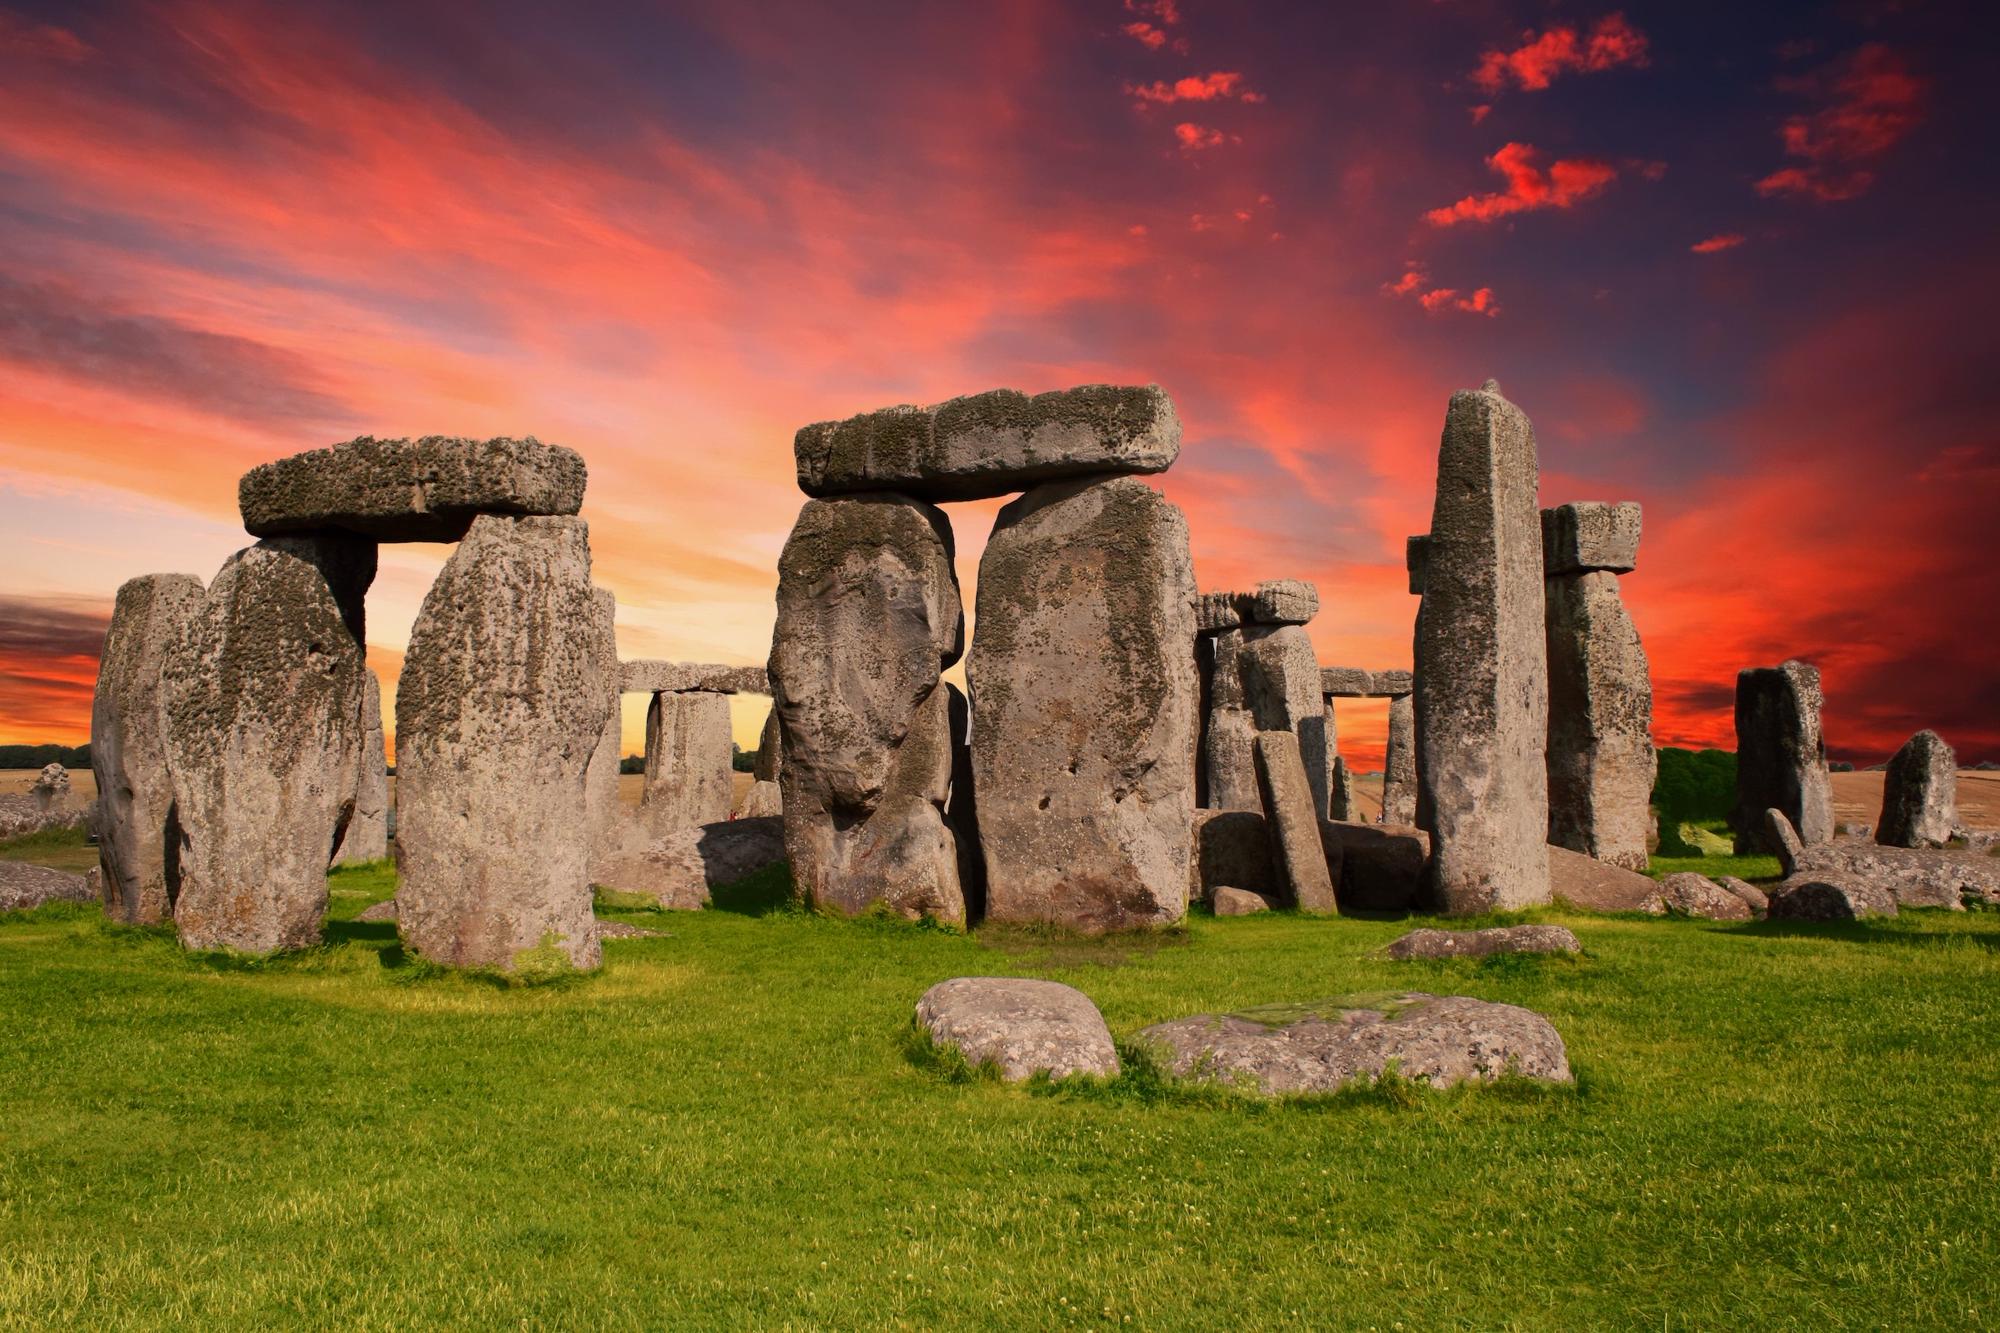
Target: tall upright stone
point(602, 810)
point(499, 710)
point(1780, 755)
point(1229, 735)
point(1280, 671)
point(138, 841)
point(687, 760)
point(261, 698)
point(1600, 740)
point(1482, 665)
point(1342, 803)
point(367, 835)
point(868, 615)
point(1263, 675)
point(1920, 794)
point(1399, 764)
point(1083, 707)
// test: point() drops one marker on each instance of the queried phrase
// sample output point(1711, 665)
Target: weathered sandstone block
point(1919, 794)
point(1296, 846)
point(1780, 755)
point(1229, 733)
point(367, 835)
point(423, 490)
point(991, 444)
point(603, 812)
point(1084, 696)
point(1590, 535)
point(687, 760)
point(1280, 677)
point(499, 710)
point(868, 615)
point(1399, 764)
point(1342, 803)
point(1482, 665)
point(1600, 737)
point(260, 698)
point(653, 677)
point(138, 841)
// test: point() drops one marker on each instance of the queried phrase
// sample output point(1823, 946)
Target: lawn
point(726, 1128)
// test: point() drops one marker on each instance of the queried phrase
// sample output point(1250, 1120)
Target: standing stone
point(868, 615)
point(1780, 755)
point(688, 758)
point(261, 699)
point(1919, 794)
point(1229, 737)
point(1083, 704)
point(602, 811)
point(1482, 665)
point(1342, 803)
point(138, 843)
point(765, 797)
point(1600, 740)
point(1294, 824)
point(1280, 671)
point(367, 836)
point(499, 710)
point(1399, 765)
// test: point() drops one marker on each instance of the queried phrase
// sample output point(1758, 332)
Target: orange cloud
point(1727, 240)
point(1195, 137)
point(1872, 101)
point(1535, 63)
point(1146, 35)
point(1566, 182)
point(1222, 85)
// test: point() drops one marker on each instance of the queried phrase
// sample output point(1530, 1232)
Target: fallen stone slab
point(410, 490)
point(1758, 901)
point(24, 885)
point(1686, 893)
point(991, 444)
point(1428, 943)
point(678, 869)
point(1229, 901)
point(1381, 865)
point(1325, 1045)
point(1919, 794)
point(1818, 896)
point(1022, 1026)
point(1591, 536)
point(1949, 878)
point(1598, 886)
point(646, 676)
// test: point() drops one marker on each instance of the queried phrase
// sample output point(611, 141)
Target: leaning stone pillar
point(1482, 665)
point(138, 842)
point(1083, 707)
point(1399, 765)
point(688, 756)
point(1780, 755)
point(262, 705)
point(1600, 746)
point(500, 708)
point(602, 811)
point(868, 615)
point(367, 836)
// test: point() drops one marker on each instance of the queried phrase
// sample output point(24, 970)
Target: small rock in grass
point(23, 885)
point(1230, 901)
point(1759, 902)
point(1480, 943)
point(624, 930)
point(1688, 894)
point(382, 911)
point(1024, 1027)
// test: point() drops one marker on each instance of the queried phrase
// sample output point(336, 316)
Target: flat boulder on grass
point(1480, 943)
point(1758, 901)
point(1813, 896)
point(1599, 886)
point(1023, 1027)
point(1325, 1045)
point(23, 885)
point(1230, 901)
point(1688, 894)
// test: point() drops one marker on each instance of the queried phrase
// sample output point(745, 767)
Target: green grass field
point(726, 1128)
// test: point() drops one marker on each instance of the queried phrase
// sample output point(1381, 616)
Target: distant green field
point(725, 1128)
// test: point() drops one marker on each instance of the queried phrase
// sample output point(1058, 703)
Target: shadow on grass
point(1055, 948)
point(1872, 931)
point(766, 892)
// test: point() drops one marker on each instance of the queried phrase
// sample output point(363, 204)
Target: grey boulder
point(1812, 896)
point(1482, 943)
point(1230, 901)
point(1022, 1027)
point(24, 885)
point(1919, 794)
point(1688, 894)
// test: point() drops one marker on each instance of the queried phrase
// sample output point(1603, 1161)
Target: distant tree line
point(41, 756)
point(1692, 787)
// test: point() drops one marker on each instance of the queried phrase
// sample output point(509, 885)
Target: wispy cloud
point(1871, 101)
point(1566, 182)
point(1543, 56)
point(1721, 241)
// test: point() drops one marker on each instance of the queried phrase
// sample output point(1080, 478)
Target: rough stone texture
point(1296, 846)
point(1233, 848)
point(1780, 755)
point(260, 702)
point(1321, 1047)
point(1482, 665)
point(1919, 794)
point(1480, 943)
point(603, 811)
point(1217, 611)
point(1399, 766)
point(1341, 803)
point(1757, 900)
point(868, 614)
point(1600, 736)
point(1916, 877)
point(500, 708)
point(680, 867)
point(991, 444)
point(762, 800)
point(688, 761)
point(1783, 839)
point(1282, 602)
point(24, 885)
point(382, 911)
point(1417, 559)
point(1229, 732)
point(1347, 683)
point(1688, 894)
point(1022, 1026)
point(770, 750)
point(1590, 535)
point(1598, 886)
point(1230, 901)
point(1381, 866)
point(367, 835)
point(424, 490)
point(1084, 699)
point(138, 843)
point(1820, 896)
point(1280, 676)
point(645, 676)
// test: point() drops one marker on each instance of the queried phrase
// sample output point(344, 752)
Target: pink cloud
point(1222, 85)
point(1194, 138)
point(1535, 63)
point(1727, 240)
point(1566, 182)
point(1871, 101)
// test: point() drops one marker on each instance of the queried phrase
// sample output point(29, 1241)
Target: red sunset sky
point(1737, 262)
